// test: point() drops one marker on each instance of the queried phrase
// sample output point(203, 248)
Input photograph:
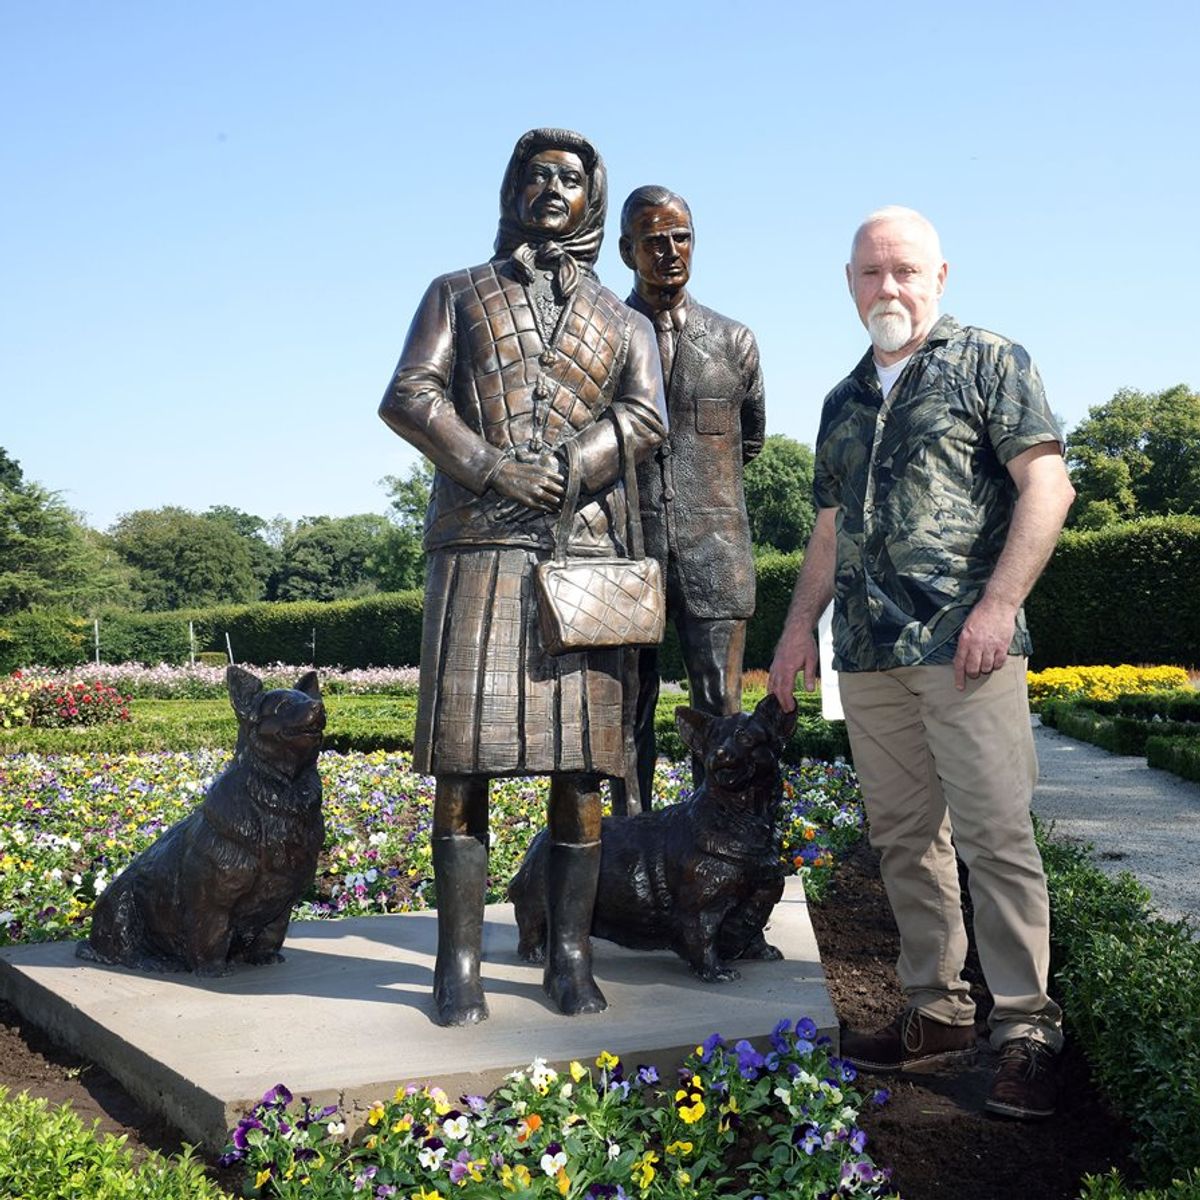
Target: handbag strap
point(633, 521)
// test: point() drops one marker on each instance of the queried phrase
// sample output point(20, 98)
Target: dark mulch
point(932, 1132)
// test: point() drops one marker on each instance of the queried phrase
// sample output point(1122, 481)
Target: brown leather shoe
point(1025, 1084)
point(910, 1039)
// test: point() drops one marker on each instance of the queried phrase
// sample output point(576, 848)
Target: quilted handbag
point(592, 603)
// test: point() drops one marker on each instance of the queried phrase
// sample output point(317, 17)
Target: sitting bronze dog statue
point(218, 886)
point(700, 877)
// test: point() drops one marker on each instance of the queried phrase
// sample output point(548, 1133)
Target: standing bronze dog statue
point(699, 878)
point(218, 887)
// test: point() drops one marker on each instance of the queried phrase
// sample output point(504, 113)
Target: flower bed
point(56, 703)
point(737, 1123)
point(69, 823)
point(1102, 683)
point(199, 682)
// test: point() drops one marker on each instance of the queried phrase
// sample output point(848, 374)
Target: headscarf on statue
point(565, 255)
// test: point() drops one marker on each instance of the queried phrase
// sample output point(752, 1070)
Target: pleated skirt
point(492, 701)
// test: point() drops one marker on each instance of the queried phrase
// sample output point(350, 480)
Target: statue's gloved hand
point(532, 480)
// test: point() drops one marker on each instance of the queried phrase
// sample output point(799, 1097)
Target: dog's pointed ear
point(780, 722)
point(693, 728)
point(243, 688)
point(310, 685)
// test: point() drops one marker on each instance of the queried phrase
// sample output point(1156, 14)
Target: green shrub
point(1179, 755)
point(51, 637)
point(354, 723)
point(776, 579)
point(379, 630)
point(813, 737)
point(1125, 593)
point(48, 1154)
point(1128, 724)
point(1113, 1187)
point(1130, 988)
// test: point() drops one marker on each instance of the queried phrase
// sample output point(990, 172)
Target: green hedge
point(363, 723)
point(1129, 983)
point(1128, 724)
point(813, 737)
point(1179, 755)
point(381, 630)
point(1122, 594)
point(1127, 593)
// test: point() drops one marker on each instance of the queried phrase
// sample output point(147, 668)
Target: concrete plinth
point(348, 1017)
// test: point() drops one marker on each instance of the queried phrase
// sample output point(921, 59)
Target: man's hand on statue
point(793, 656)
point(533, 484)
point(984, 641)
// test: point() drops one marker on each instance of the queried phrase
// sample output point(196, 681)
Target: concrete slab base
point(347, 1017)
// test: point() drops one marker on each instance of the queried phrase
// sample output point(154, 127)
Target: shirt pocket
point(713, 414)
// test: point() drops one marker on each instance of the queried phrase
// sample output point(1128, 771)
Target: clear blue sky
point(219, 217)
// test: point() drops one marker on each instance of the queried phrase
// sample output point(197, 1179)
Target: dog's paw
point(763, 953)
point(213, 970)
point(721, 973)
point(262, 960)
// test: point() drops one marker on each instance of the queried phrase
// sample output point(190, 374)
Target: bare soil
point(933, 1131)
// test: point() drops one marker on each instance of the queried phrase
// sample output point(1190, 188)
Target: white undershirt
point(888, 375)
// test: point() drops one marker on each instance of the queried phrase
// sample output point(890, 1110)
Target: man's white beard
point(890, 326)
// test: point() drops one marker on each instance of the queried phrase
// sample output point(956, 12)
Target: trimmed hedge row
point(1122, 594)
point(355, 723)
point(1129, 983)
point(380, 630)
point(1127, 593)
point(1129, 724)
point(1179, 755)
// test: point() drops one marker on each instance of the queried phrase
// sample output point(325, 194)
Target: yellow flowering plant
point(1103, 683)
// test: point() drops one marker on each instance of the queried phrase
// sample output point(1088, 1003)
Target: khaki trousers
point(935, 762)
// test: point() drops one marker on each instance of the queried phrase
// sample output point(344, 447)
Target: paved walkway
point(1139, 819)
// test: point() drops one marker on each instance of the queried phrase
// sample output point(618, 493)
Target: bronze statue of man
point(504, 364)
point(692, 503)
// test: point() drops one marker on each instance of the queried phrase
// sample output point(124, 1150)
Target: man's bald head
point(918, 226)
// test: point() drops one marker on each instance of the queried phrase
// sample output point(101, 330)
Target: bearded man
point(941, 489)
point(504, 364)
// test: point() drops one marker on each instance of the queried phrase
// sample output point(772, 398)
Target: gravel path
point(1138, 819)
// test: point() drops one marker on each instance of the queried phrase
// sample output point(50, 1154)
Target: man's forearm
point(1038, 515)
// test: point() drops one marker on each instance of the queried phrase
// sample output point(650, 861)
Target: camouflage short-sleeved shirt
point(923, 496)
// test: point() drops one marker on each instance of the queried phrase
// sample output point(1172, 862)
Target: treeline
point(170, 558)
point(1126, 593)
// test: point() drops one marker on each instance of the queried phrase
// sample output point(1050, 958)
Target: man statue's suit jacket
point(692, 503)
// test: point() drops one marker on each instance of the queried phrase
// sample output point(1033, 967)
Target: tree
point(399, 560)
point(11, 475)
point(259, 537)
point(778, 485)
point(184, 560)
point(44, 553)
point(329, 558)
point(1137, 455)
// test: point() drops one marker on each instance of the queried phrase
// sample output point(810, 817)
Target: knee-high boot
point(460, 876)
point(572, 873)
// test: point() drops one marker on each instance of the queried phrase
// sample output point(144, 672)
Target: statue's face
point(553, 196)
point(659, 246)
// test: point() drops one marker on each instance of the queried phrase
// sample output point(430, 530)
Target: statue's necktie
point(665, 327)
